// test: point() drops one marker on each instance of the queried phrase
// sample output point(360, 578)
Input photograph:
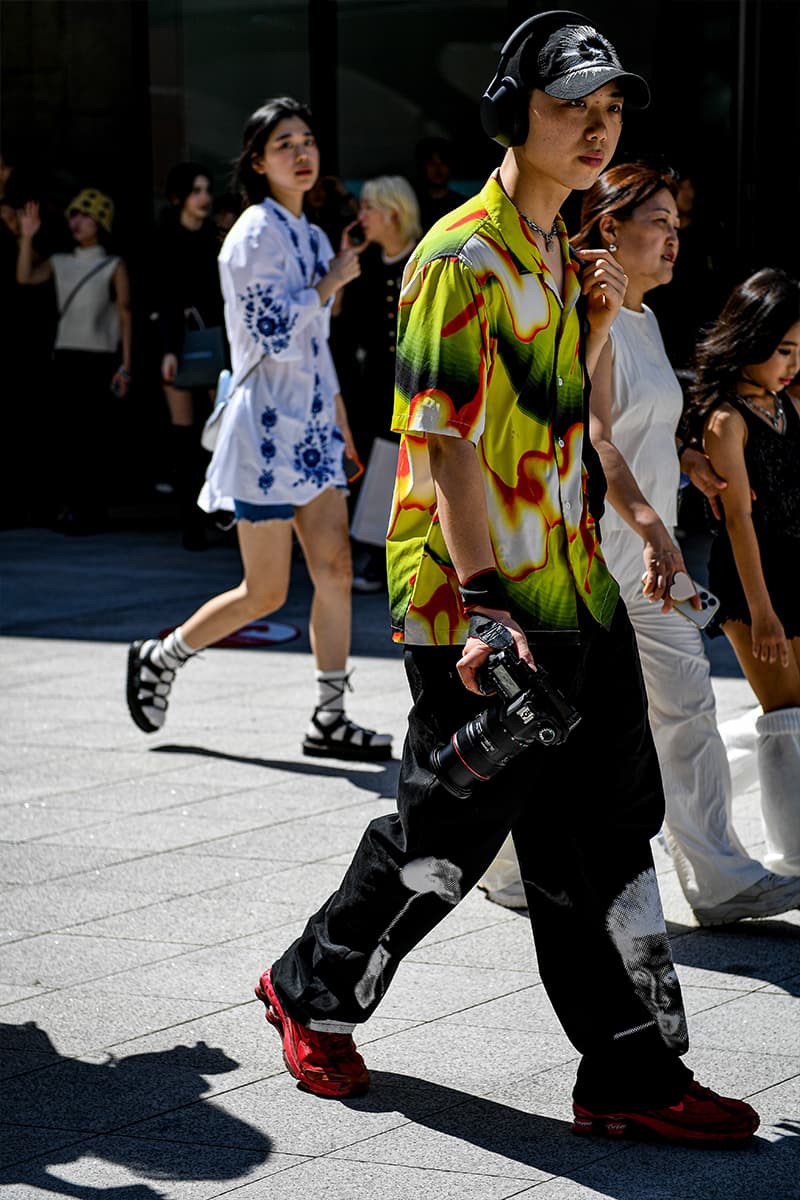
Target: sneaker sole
point(587, 1125)
point(744, 912)
point(347, 751)
point(131, 696)
point(273, 1018)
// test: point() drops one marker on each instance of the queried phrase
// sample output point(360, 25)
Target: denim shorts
point(243, 510)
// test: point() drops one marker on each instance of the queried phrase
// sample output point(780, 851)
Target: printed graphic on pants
point(422, 877)
point(635, 924)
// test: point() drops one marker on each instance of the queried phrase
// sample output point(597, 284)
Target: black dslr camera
point(529, 709)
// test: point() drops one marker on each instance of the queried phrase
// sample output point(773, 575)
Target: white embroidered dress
point(279, 443)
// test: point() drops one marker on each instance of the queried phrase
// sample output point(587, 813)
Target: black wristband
point(484, 590)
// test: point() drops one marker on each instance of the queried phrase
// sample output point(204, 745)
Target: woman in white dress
point(279, 459)
point(636, 405)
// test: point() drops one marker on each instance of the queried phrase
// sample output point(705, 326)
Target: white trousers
point(711, 863)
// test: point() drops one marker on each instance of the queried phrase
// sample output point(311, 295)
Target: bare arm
point(122, 291)
point(662, 558)
point(724, 441)
point(464, 521)
point(28, 271)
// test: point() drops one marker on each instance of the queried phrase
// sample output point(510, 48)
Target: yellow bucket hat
point(95, 204)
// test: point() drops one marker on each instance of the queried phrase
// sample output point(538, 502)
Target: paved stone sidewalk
point(146, 881)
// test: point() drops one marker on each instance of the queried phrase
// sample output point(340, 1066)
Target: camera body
point(528, 710)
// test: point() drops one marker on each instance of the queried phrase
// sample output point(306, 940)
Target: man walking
point(494, 525)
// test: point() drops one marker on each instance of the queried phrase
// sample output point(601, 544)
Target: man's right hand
point(476, 652)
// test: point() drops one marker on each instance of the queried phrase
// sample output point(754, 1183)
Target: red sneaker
point(700, 1117)
point(326, 1064)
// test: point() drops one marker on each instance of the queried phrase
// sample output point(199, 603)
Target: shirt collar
point(520, 240)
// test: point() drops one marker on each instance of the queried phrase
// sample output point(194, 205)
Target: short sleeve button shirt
point(489, 351)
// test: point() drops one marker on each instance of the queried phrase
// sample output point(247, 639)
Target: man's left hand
point(603, 283)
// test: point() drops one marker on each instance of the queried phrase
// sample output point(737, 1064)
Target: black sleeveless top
point(773, 468)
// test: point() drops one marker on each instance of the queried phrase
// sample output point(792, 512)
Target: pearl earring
point(612, 247)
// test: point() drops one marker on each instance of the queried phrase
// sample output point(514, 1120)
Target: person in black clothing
point(188, 295)
point(436, 197)
point(388, 214)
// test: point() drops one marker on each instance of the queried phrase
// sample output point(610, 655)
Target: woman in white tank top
point(92, 360)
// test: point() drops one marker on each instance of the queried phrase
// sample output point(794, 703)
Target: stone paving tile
point(20, 1062)
point(26, 863)
point(300, 840)
point(70, 771)
point(473, 1061)
point(10, 992)
point(759, 1021)
point(153, 831)
point(118, 1166)
point(63, 959)
point(172, 873)
point(161, 792)
point(742, 957)
point(88, 1018)
point(485, 1136)
point(36, 819)
point(204, 919)
point(507, 945)
point(41, 908)
point(224, 974)
point(345, 1180)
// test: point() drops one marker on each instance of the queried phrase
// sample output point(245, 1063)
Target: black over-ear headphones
point(504, 104)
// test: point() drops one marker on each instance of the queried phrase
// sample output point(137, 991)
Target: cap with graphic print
point(575, 61)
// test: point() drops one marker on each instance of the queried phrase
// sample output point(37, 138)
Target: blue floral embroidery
point(316, 402)
point(269, 418)
point(313, 457)
point(314, 347)
point(267, 449)
point(267, 321)
point(266, 480)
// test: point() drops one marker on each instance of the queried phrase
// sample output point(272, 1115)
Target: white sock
point(172, 652)
point(331, 687)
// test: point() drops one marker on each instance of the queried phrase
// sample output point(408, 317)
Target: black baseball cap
point(574, 61)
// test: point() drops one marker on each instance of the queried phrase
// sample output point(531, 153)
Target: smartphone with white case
point(681, 592)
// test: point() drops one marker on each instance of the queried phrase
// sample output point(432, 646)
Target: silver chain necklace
point(775, 419)
point(548, 237)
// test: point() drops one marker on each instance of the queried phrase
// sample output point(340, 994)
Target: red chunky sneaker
point(326, 1064)
point(701, 1117)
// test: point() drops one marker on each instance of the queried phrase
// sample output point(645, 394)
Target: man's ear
point(609, 228)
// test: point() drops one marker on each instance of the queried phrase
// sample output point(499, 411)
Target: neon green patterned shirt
point(487, 351)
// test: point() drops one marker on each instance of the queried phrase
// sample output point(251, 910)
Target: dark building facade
point(112, 92)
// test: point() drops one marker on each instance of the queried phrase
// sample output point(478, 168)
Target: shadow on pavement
point(382, 782)
point(767, 949)
point(618, 1169)
point(60, 1109)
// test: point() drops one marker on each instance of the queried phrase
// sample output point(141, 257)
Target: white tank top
point(646, 407)
point(91, 321)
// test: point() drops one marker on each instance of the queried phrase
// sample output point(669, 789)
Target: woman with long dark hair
point(751, 433)
point(279, 460)
point(636, 406)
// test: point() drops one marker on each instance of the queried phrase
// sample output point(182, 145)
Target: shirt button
point(567, 506)
point(561, 443)
point(560, 381)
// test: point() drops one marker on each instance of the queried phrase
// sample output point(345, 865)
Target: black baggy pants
point(581, 816)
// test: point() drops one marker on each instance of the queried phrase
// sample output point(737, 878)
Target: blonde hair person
point(388, 214)
point(394, 202)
